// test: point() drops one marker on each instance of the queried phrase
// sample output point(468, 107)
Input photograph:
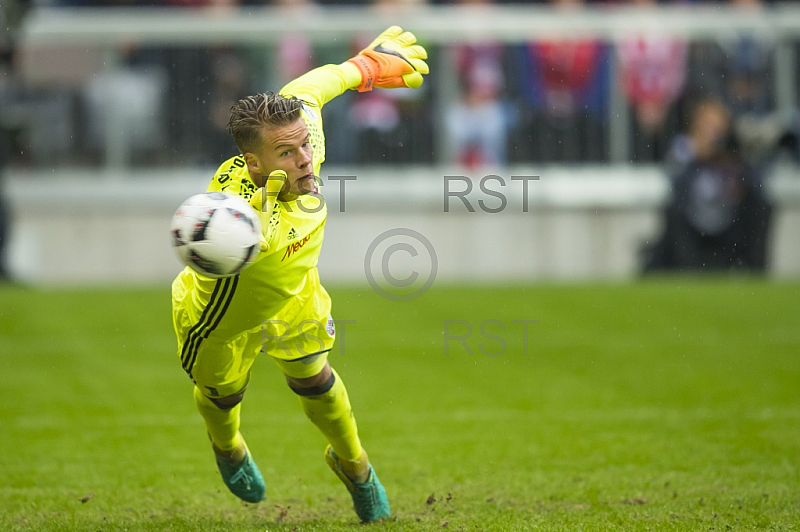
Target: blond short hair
point(250, 115)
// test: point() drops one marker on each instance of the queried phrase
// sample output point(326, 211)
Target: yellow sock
point(222, 425)
point(356, 470)
point(331, 413)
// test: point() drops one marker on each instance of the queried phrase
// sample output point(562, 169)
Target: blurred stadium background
point(114, 112)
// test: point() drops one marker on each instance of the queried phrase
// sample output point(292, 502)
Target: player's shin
point(222, 425)
point(330, 411)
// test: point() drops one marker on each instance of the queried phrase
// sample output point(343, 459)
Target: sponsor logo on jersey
point(291, 249)
point(292, 234)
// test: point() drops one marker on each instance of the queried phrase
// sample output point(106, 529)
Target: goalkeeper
point(277, 305)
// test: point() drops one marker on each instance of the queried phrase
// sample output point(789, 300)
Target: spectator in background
point(740, 69)
point(718, 217)
point(565, 85)
point(653, 75)
point(478, 122)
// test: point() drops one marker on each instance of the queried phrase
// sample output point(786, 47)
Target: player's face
point(288, 148)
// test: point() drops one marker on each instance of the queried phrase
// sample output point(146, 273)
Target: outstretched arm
point(392, 60)
point(321, 85)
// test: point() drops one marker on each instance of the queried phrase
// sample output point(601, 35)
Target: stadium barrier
point(579, 223)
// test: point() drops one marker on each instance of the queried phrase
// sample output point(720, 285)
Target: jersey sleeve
point(319, 86)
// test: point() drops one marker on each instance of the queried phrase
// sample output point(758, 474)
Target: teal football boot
point(243, 478)
point(369, 498)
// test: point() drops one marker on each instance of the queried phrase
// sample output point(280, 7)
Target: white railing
point(437, 24)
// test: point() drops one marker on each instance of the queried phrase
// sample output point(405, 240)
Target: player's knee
point(316, 385)
point(226, 403)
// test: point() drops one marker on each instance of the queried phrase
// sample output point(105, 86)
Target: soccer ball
point(216, 234)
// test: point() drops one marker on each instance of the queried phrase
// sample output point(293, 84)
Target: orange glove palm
point(392, 60)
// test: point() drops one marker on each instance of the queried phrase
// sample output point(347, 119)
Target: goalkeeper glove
point(264, 201)
point(392, 60)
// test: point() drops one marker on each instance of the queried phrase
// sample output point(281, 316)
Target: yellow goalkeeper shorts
point(298, 339)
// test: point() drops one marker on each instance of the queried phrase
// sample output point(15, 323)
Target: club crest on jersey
point(330, 327)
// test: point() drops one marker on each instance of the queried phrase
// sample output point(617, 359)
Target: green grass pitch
point(670, 404)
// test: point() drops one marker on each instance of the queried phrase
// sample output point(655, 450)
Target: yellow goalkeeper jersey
point(295, 229)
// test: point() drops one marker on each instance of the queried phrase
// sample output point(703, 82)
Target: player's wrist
point(352, 74)
point(369, 70)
